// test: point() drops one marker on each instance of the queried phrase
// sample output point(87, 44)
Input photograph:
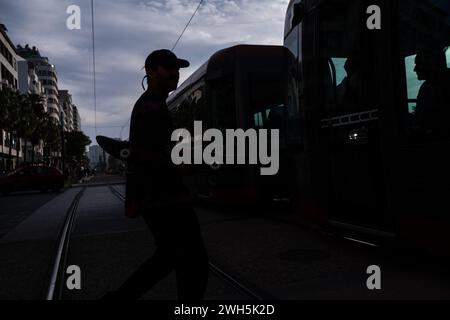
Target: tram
point(374, 117)
point(242, 87)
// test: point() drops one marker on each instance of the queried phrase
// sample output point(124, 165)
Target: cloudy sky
point(126, 31)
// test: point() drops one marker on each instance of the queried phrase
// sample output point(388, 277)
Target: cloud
point(126, 31)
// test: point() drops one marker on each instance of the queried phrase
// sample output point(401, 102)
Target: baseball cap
point(164, 58)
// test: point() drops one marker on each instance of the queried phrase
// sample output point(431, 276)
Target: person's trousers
point(179, 247)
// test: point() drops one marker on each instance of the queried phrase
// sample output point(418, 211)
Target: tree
point(76, 143)
point(51, 133)
point(27, 122)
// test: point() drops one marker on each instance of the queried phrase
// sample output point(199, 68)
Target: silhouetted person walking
point(155, 191)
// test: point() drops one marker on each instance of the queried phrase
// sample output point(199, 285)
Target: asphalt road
point(18, 206)
point(267, 255)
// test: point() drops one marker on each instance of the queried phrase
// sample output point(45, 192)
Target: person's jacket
point(152, 179)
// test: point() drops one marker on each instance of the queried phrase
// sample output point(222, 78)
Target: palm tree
point(24, 126)
point(44, 132)
point(39, 135)
point(38, 110)
point(32, 111)
point(52, 136)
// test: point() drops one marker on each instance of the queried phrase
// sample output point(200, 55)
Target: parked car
point(32, 177)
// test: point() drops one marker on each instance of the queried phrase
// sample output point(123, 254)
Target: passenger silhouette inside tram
point(349, 90)
point(432, 109)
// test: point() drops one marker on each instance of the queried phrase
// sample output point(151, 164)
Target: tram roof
point(225, 61)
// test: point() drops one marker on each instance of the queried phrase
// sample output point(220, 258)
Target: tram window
point(182, 117)
point(341, 73)
point(292, 41)
point(424, 45)
point(266, 90)
point(347, 81)
point(413, 83)
point(190, 108)
point(223, 104)
point(271, 118)
point(267, 101)
point(197, 104)
point(447, 56)
point(347, 59)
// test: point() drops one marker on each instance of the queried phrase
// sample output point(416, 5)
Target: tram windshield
point(267, 100)
point(223, 104)
point(274, 107)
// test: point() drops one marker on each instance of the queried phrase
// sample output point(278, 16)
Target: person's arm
point(147, 136)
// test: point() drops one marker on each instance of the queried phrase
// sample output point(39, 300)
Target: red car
point(32, 177)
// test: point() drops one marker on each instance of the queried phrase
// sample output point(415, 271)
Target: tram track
point(54, 290)
point(223, 271)
point(243, 287)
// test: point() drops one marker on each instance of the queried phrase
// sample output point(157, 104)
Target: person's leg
point(192, 276)
point(154, 269)
point(146, 276)
point(191, 264)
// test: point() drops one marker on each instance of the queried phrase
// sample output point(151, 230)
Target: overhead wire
point(94, 64)
point(187, 24)
point(94, 71)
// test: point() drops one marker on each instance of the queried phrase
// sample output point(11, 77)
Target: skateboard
point(116, 148)
point(121, 150)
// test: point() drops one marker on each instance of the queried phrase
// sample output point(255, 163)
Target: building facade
point(48, 77)
point(46, 73)
point(95, 153)
point(65, 101)
point(23, 69)
point(76, 119)
point(29, 83)
point(8, 79)
point(8, 60)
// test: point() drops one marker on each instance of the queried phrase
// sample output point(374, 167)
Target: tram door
point(350, 116)
point(422, 166)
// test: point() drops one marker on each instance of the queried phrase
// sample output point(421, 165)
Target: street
point(13, 208)
point(267, 255)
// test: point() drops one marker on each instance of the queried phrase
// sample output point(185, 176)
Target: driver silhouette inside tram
point(432, 110)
